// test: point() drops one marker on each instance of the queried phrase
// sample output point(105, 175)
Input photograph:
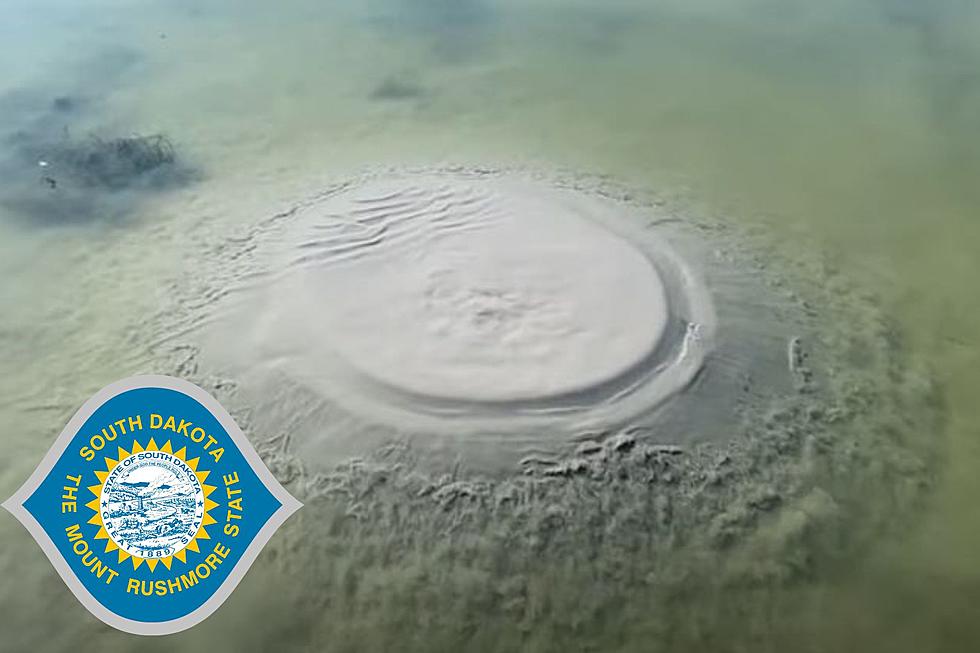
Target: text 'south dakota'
point(154, 422)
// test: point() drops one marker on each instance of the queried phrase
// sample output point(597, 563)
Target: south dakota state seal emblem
point(152, 505)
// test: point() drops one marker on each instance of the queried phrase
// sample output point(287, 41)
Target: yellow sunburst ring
point(152, 505)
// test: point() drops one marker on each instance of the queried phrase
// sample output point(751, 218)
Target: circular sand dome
point(721, 410)
point(469, 293)
point(496, 315)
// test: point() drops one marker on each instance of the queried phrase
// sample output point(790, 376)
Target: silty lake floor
point(845, 131)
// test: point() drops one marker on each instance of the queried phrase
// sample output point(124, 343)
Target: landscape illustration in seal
point(152, 505)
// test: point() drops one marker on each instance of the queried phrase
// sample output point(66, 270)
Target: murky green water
point(852, 127)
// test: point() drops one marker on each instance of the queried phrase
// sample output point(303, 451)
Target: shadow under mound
point(81, 180)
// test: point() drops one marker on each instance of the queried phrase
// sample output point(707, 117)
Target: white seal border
point(15, 505)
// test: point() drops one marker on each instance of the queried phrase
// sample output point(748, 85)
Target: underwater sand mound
point(795, 430)
point(465, 293)
point(498, 317)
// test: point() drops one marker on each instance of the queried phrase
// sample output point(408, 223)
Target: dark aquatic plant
point(68, 179)
point(115, 163)
point(55, 173)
